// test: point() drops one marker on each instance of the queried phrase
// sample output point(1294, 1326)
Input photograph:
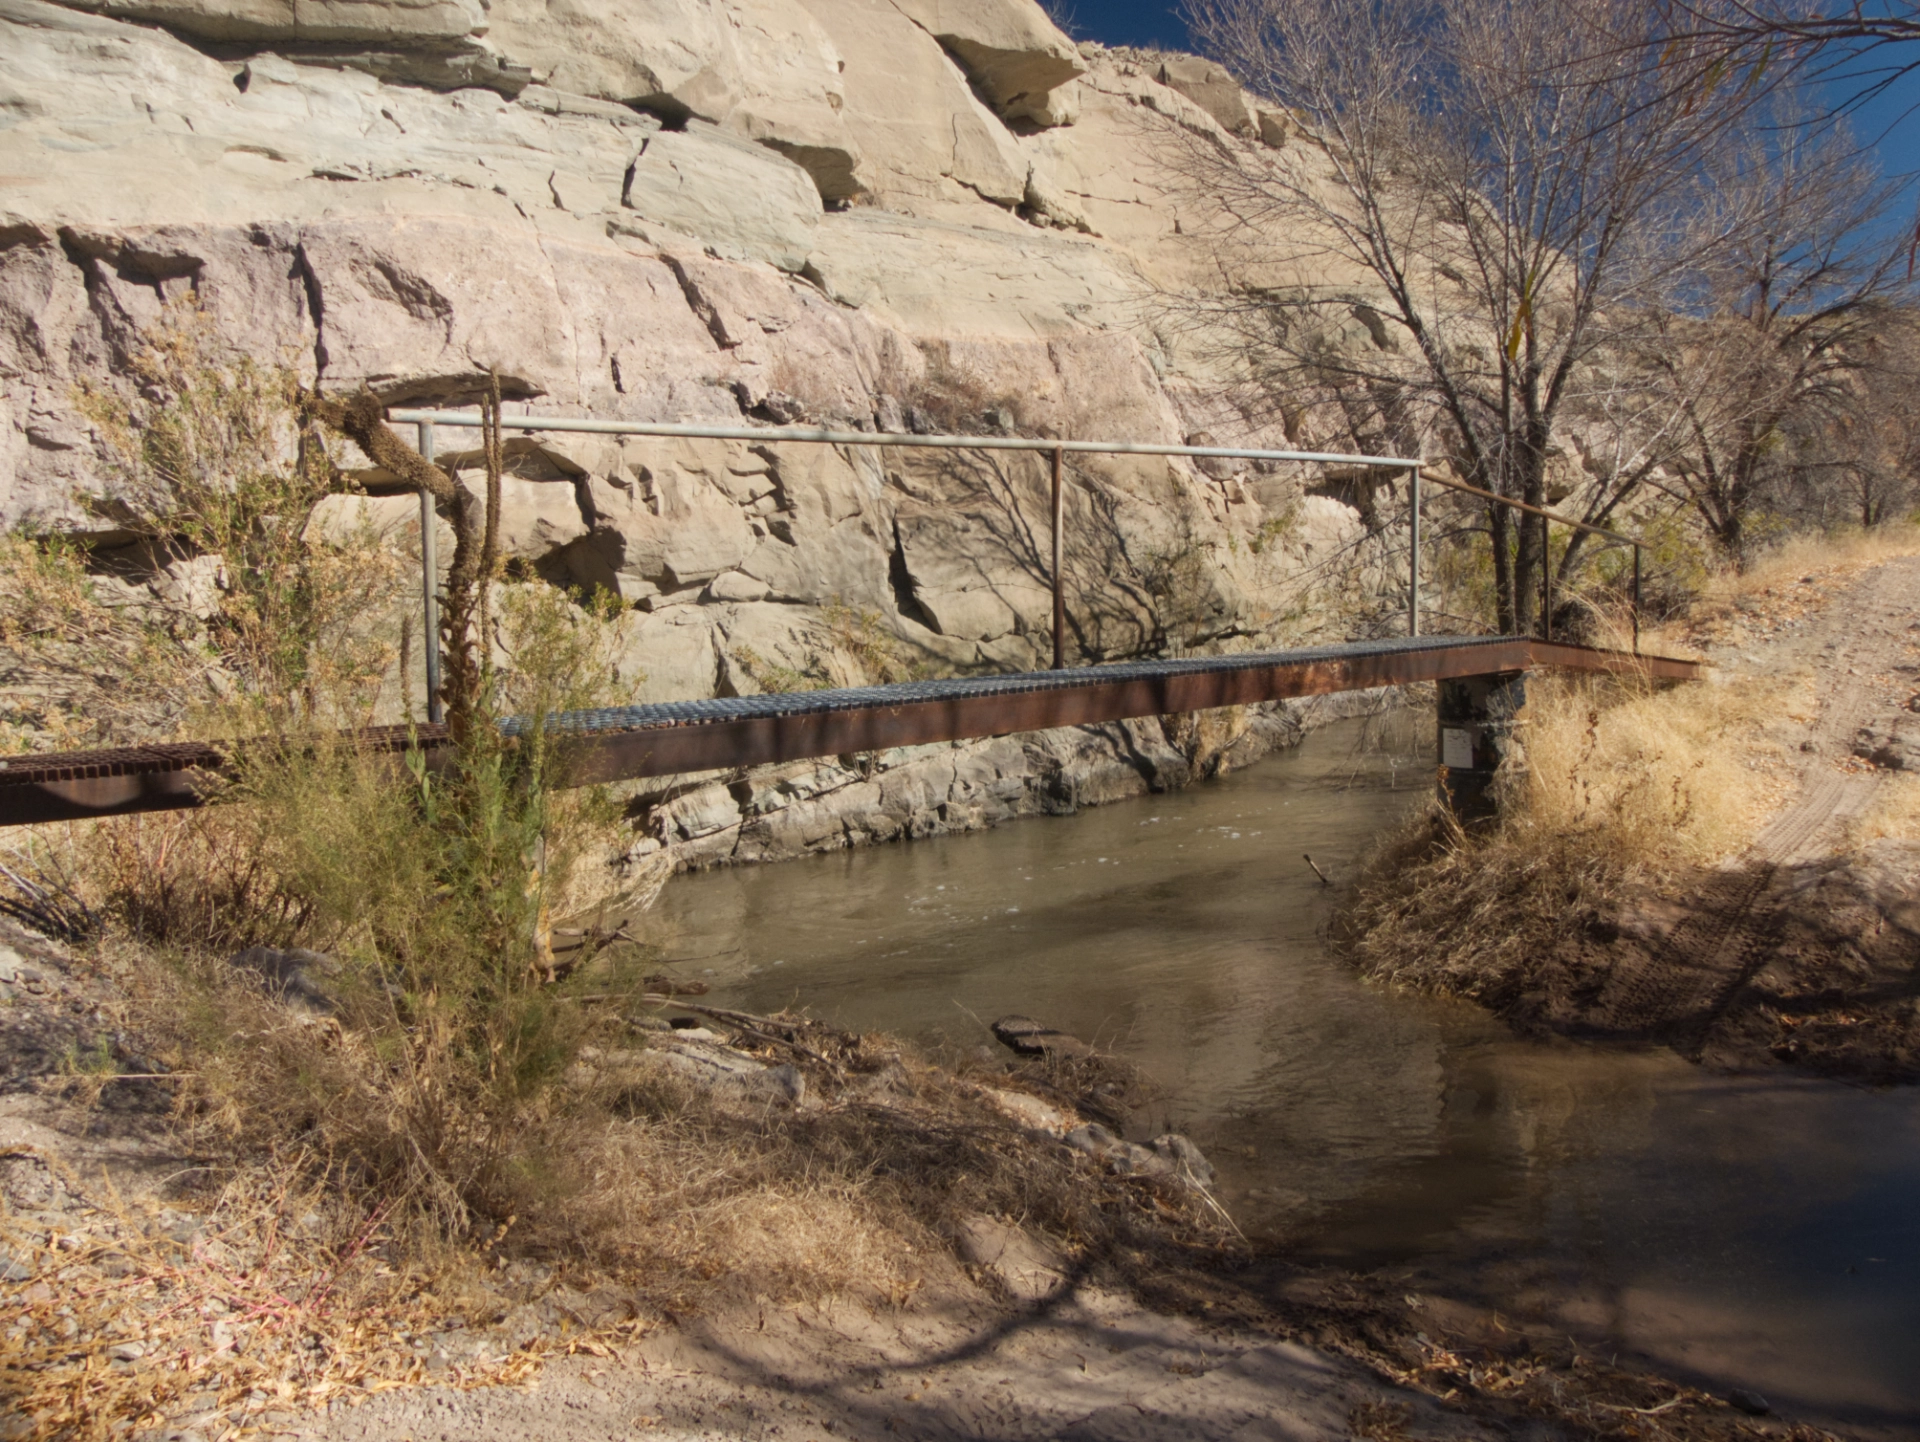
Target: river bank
point(183, 1311)
point(1788, 937)
point(915, 793)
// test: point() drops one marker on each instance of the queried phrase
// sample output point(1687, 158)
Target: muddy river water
point(1761, 1232)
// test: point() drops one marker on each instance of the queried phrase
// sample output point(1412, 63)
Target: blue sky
point(1890, 123)
point(1125, 22)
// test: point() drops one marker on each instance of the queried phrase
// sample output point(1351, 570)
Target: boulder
point(16, 971)
point(1892, 744)
point(1029, 1111)
point(1127, 1159)
point(538, 518)
point(1211, 87)
point(629, 51)
point(1024, 1265)
point(293, 975)
point(1024, 1035)
point(1187, 1160)
point(762, 70)
point(665, 523)
point(696, 1056)
point(920, 133)
point(1012, 53)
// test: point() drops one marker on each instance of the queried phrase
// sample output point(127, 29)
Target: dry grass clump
point(1848, 549)
point(292, 1288)
point(1894, 816)
point(954, 399)
point(71, 661)
point(273, 1299)
point(1622, 784)
point(450, 1019)
point(619, 1168)
point(1660, 776)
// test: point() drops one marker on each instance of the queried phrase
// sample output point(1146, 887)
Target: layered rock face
point(937, 214)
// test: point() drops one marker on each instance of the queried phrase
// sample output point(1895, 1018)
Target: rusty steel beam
point(759, 740)
point(802, 734)
point(683, 737)
point(164, 776)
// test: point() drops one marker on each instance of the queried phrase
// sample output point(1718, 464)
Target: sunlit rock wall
point(937, 214)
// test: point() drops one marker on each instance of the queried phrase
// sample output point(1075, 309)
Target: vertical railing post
point(430, 585)
point(1636, 598)
point(1059, 550)
point(1413, 567)
point(1546, 579)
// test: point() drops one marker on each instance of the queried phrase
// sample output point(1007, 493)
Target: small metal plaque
point(1456, 749)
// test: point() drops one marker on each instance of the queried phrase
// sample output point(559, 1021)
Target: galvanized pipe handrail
point(814, 435)
point(426, 420)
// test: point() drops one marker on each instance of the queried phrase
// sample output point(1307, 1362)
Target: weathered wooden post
point(1476, 721)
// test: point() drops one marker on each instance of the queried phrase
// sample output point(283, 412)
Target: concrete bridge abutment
point(1476, 719)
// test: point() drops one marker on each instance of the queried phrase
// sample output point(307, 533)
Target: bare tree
point(1866, 469)
point(1767, 346)
point(1061, 13)
point(1865, 49)
point(1485, 199)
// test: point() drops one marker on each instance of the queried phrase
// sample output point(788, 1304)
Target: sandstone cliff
point(939, 214)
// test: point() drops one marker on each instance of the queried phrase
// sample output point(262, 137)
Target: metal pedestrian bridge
point(682, 737)
point(679, 737)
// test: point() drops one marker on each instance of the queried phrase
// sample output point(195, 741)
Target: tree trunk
point(1503, 598)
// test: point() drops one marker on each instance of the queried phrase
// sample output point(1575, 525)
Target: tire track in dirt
point(1684, 988)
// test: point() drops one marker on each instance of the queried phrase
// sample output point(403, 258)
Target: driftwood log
point(475, 521)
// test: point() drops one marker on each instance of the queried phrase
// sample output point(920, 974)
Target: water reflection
point(1759, 1232)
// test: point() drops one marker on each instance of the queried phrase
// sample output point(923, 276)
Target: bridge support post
point(1476, 719)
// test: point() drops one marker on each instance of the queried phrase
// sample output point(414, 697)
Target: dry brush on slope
point(1727, 868)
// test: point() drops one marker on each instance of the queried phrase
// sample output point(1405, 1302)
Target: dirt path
point(1704, 983)
point(1086, 1365)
